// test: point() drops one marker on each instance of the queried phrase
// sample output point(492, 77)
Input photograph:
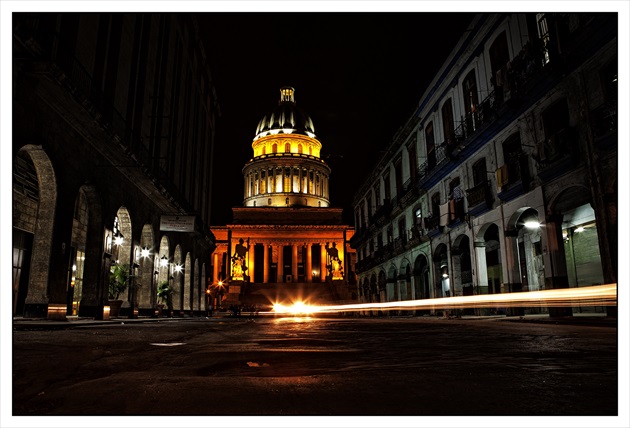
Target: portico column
point(323, 270)
point(309, 263)
point(280, 276)
point(250, 263)
point(266, 264)
point(294, 262)
point(215, 267)
point(482, 268)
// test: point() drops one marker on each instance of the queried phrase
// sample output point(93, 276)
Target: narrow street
point(306, 366)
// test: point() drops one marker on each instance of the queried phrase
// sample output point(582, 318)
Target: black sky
point(358, 75)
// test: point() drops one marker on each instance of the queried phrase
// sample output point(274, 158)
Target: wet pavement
point(418, 366)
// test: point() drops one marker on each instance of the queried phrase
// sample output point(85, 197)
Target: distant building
point(505, 178)
point(286, 242)
point(113, 127)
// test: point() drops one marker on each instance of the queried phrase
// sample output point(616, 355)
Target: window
point(499, 54)
point(377, 195)
point(264, 150)
point(471, 99)
point(435, 204)
point(287, 148)
point(411, 154)
point(511, 154)
point(368, 203)
point(430, 140)
point(417, 216)
point(398, 176)
point(299, 148)
point(543, 35)
point(499, 60)
point(386, 186)
point(456, 200)
point(556, 126)
point(402, 229)
point(274, 148)
point(479, 172)
point(448, 124)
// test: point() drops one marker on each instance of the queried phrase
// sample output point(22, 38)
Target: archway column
point(280, 273)
point(266, 264)
point(482, 268)
point(294, 262)
point(555, 261)
point(323, 274)
point(309, 262)
point(215, 267)
point(250, 262)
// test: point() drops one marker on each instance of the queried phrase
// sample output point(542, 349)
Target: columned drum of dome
point(286, 170)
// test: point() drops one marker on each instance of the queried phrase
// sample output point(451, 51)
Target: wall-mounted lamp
point(178, 268)
point(164, 261)
point(145, 252)
point(532, 224)
point(118, 238)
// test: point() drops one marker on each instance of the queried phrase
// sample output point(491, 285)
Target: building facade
point(505, 177)
point(113, 127)
point(286, 242)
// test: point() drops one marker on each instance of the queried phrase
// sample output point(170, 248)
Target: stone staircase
point(263, 295)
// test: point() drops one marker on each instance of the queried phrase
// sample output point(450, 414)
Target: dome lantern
point(286, 169)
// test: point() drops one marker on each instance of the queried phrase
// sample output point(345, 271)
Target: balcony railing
point(479, 194)
point(473, 121)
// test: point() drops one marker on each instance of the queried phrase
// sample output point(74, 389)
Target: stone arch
point(203, 278)
point(374, 288)
point(195, 284)
point(382, 284)
point(164, 265)
point(146, 269)
point(577, 232)
point(37, 295)
point(87, 243)
point(187, 283)
point(364, 290)
point(518, 218)
point(92, 293)
point(462, 266)
point(489, 256)
point(421, 274)
point(442, 271)
point(125, 243)
point(178, 277)
point(524, 234)
point(78, 242)
point(404, 280)
point(392, 284)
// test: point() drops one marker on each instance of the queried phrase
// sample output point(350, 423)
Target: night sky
point(358, 75)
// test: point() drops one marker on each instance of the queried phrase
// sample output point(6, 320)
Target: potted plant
point(118, 282)
point(165, 294)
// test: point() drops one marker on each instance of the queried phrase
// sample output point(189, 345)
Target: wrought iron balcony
point(479, 198)
point(558, 154)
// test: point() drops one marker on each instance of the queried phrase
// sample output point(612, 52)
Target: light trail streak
point(597, 295)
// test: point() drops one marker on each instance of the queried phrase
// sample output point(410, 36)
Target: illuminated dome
point(286, 170)
point(286, 118)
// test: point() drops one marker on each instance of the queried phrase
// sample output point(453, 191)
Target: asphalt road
point(298, 366)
